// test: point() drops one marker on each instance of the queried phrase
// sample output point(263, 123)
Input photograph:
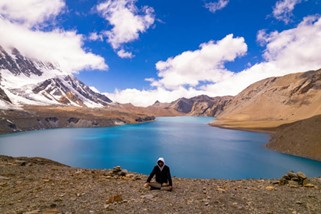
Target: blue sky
point(140, 51)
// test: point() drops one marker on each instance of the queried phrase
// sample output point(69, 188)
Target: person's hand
point(146, 185)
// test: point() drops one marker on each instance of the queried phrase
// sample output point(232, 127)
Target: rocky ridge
point(37, 185)
point(196, 106)
point(25, 81)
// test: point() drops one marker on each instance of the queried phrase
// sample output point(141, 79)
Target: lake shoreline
point(57, 188)
point(266, 127)
point(286, 137)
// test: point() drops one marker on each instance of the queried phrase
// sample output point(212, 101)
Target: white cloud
point(148, 97)
point(126, 19)
point(124, 54)
point(205, 64)
point(60, 47)
point(283, 10)
point(215, 6)
point(19, 21)
point(289, 51)
point(295, 48)
point(94, 36)
point(30, 12)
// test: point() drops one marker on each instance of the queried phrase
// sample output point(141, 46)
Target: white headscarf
point(163, 160)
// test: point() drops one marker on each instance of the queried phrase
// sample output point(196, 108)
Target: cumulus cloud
point(30, 12)
point(283, 10)
point(63, 48)
point(124, 54)
point(215, 6)
point(205, 64)
point(126, 19)
point(94, 36)
point(288, 51)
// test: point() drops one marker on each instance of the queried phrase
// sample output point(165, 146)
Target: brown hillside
point(274, 101)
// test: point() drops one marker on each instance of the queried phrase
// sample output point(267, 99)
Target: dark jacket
point(163, 176)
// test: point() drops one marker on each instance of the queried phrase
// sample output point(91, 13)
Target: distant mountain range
point(196, 106)
point(25, 81)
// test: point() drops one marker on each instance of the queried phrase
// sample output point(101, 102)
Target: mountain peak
point(30, 81)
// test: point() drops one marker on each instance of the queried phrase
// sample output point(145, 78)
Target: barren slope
point(302, 138)
point(274, 101)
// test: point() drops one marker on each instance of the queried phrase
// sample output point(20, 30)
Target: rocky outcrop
point(20, 64)
point(295, 180)
point(302, 138)
point(4, 96)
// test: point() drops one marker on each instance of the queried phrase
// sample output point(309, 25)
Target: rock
point(305, 181)
point(51, 211)
point(309, 185)
point(293, 184)
point(301, 175)
point(221, 190)
point(130, 175)
point(149, 196)
point(4, 178)
point(123, 172)
point(3, 184)
point(294, 179)
point(33, 212)
point(20, 162)
point(270, 188)
point(117, 169)
point(115, 198)
point(283, 181)
point(292, 174)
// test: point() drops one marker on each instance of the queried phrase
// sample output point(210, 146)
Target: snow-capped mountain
point(25, 81)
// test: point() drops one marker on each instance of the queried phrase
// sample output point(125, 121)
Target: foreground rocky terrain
point(37, 185)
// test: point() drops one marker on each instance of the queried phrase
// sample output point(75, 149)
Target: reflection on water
point(190, 147)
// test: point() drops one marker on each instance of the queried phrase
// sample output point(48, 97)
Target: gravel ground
point(37, 185)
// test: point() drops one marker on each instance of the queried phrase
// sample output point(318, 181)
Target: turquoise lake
point(190, 147)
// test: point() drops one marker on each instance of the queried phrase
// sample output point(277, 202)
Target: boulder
point(301, 175)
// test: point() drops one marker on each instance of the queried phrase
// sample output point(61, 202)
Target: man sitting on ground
point(163, 177)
